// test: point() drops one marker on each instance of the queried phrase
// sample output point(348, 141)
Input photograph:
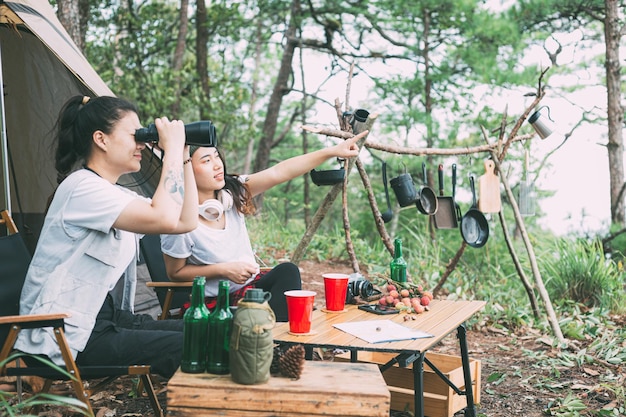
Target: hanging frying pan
point(426, 201)
point(474, 226)
point(445, 216)
point(386, 216)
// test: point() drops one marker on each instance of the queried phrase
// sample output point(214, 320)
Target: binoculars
point(200, 133)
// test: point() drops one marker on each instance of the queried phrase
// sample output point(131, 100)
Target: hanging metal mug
point(404, 189)
point(358, 119)
point(541, 126)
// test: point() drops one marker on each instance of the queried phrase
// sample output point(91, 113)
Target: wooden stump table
point(324, 389)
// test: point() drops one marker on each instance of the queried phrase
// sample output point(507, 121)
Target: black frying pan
point(474, 226)
point(426, 202)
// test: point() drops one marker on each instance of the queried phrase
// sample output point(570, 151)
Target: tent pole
point(4, 144)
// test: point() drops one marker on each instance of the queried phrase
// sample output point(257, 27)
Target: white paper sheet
point(379, 331)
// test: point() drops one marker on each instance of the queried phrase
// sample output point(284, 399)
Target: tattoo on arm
point(174, 184)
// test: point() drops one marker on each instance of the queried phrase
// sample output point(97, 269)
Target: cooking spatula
point(526, 199)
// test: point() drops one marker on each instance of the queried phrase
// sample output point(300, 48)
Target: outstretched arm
point(298, 165)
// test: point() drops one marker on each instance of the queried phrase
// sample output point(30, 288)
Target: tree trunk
point(253, 96)
point(69, 14)
point(202, 54)
point(179, 52)
point(281, 87)
point(612, 36)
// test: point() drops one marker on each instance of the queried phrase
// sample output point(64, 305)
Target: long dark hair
point(239, 190)
point(79, 118)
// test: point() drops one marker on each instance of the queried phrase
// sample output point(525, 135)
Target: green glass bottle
point(195, 331)
point(398, 264)
point(220, 325)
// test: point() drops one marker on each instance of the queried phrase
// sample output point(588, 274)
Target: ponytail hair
point(242, 198)
point(79, 118)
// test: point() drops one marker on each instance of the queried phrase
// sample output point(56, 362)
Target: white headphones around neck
point(213, 209)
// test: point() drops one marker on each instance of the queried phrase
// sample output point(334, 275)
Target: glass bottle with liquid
point(195, 330)
point(398, 264)
point(220, 325)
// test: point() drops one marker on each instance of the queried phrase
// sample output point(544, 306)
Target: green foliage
point(615, 243)
point(579, 272)
point(9, 406)
point(570, 406)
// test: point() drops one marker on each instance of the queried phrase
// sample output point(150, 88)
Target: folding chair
point(7, 221)
point(14, 261)
point(172, 295)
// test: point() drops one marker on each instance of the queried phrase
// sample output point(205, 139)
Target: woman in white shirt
point(220, 249)
point(85, 260)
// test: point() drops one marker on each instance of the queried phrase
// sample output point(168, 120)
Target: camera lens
point(365, 289)
point(359, 287)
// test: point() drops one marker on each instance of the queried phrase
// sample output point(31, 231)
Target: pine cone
point(292, 362)
point(279, 351)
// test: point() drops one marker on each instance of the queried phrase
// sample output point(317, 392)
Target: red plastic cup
point(335, 289)
point(300, 310)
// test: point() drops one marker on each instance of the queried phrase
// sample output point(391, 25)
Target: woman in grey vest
point(85, 260)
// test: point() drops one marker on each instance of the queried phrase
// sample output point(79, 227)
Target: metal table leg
point(418, 384)
point(470, 411)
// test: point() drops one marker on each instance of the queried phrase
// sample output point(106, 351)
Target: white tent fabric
point(41, 68)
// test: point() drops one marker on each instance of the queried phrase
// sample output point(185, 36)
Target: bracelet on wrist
point(187, 161)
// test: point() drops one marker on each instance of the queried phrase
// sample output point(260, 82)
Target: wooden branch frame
point(497, 150)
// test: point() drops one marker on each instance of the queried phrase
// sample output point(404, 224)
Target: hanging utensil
point(489, 190)
point(445, 217)
point(474, 225)
point(426, 202)
point(404, 189)
point(526, 200)
point(456, 204)
point(386, 216)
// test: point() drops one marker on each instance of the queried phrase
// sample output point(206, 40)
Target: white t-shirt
point(208, 246)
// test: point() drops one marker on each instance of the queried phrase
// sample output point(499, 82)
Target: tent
point(41, 68)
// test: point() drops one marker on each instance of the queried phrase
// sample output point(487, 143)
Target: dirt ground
point(512, 383)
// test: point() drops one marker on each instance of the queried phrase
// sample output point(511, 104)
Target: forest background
point(446, 80)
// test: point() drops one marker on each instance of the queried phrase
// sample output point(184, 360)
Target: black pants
point(123, 338)
point(283, 277)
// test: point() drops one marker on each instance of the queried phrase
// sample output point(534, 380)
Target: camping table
point(443, 318)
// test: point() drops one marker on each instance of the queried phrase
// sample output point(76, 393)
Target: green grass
point(9, 406)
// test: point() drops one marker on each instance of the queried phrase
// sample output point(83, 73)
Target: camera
point(360, 287)
point(200, 133)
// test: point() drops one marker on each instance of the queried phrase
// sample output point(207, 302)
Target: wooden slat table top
point(444, 317)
